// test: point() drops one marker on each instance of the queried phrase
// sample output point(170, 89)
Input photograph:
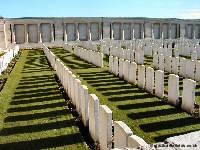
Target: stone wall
point(33, 30)
point(2, 34)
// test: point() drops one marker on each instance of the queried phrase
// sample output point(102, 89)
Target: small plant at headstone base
point(97, 146)
point(124, 47)
point(196, 112)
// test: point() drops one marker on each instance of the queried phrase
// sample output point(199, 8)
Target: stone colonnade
point(35, 30)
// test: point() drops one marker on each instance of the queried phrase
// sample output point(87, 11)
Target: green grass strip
point(33, 113)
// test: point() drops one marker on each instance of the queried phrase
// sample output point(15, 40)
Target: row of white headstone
point(7, 58)
point(178, 65)
point(131, 55)
point(94, 115)
point(90, 56)
point(68, 47)
point(153, 82)
point(90, 45)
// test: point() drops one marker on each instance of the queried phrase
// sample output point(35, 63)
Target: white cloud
point(190, 14)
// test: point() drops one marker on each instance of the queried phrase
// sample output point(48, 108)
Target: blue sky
point(101, 8)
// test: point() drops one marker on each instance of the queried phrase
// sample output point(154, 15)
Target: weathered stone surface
point(126, 66)
point(175, 65)
point(133, 73)
point(173, 89)
point(188, 97)
point(134, 141)
point(161, 62)
point(149, 79)
point(105, 126)
point(121, 63)
point(182, 64)
point(168, 63)
point(84, 104)
point(159, 83)
point(141, 76)
point(197, 71)
point(190, 69)
point(94, 117)
point(121, 134)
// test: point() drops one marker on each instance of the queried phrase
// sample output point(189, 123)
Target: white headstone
point(94, 117)
point(159, 83)
point(182, 69)
point(149, 79)
point(126, 69)
point(111, 64)
point(77, 95)
point(197, 72)
point(190, 68)
point(135, 141)
point(194, 56)
point(173, 89)
point(116, 66)
point(168, 63)
point(84, 104)
point(105, 126)
point(133, 73)
point(121, 134)
point(121, 63)
point(161, 62)
point(188, 97)
point(155, 61)
point(141, 76)
point(175, 65)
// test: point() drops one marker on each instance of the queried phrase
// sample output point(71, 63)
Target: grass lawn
point(145, 114)
point(33, 113)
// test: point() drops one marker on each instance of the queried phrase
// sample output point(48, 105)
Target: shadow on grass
point(154, 113)
point(134, 97)
point(38, 94)
point(141, 105)
point(44, 143)
point(37, 107)
point(37, 127)
point(163, 125)
point(36, 100)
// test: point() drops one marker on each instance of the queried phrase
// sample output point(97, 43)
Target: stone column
point(152, 33)
point(122, 31)
point(65, 33)
point(142, 31)
point(89, 36)
point(182, 30)
point(170, 33)
point(161, 31)
point(100, 32)
point(112, 34)
point(52, 33)
point(132, 31)
point(26, 33)
point(194, 32)
point(77, 32)
point(39, 34)
point(13, 33)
